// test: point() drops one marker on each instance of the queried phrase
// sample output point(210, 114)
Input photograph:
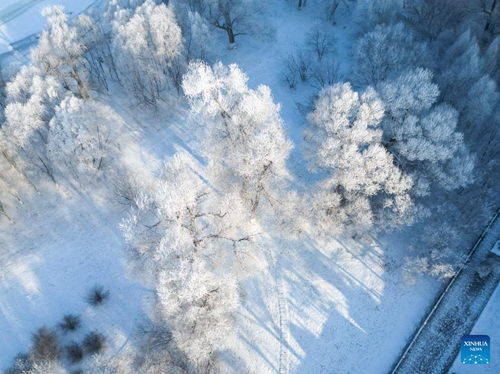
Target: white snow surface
point(320, 306)
point(496, 248)
point(21, 18)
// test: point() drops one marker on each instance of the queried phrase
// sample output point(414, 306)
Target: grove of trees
point(406, 136)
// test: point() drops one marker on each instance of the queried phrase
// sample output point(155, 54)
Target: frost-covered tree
point(385, 52)
point(371, 13)
point(422, 135)
point(59, 52)
point(491, 58)
point(3, 95)
point(94, 32)
point(81, 136)
point(362, 183)
point(183, 239)
point(437, 255)
point(146, 44)
point(461, 65)
point(245, 139)
point(196, 30)
point(198, 40)
point(32, 98)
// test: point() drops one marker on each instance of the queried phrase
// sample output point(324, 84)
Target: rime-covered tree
point(461, 66)
point(183, 239)
point(385, 52)
point(32, 98)
point(438, 255)
point(362, 183)
point(371, 13)
point(59, 52)
point(245, 139)
point(94, 31)
point(81, 136)
point(3, 95)
point(146, 44)
point(422, 135)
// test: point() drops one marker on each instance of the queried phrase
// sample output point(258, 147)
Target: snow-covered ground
point(333, 306)
point(21, 18)
point(64, 242)
point(487, 324)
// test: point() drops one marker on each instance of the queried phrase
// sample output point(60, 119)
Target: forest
point(224, 186)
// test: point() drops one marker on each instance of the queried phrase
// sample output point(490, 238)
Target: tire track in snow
point(15, 10)
point(282, 313)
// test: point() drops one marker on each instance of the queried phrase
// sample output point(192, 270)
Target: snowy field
point(21, 18)
point(318, 306)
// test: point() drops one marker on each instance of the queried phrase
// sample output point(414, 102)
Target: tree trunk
point(300, 5)
point(230, 36)
point(259, 190)
point(490, 15)
point(82, 90)
point(2, 211)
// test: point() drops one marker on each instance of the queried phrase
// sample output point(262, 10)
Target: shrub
point(45, 345)
point(74, 353)
point(97, 296)
point(94, 342)
point(70, 322)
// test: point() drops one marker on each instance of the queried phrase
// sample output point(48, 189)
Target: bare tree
point(325, 73)
point(237, 17)
point(491, 11)
point(320, 40)
point(295, 65)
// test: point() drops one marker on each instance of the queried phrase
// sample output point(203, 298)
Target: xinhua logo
point(475, 349)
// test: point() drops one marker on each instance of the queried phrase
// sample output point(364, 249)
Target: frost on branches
point(422, 136)
point(81, 134)
point(361, 183)
point(146, 44)
point(32, 99)
point(185, 240)
point(244, 138)
point(60, 52)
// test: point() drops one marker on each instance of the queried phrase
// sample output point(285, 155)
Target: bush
point(45, 345)
point(74, 353)
point(70, 322)
point(97, 296)
point(94, 342)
